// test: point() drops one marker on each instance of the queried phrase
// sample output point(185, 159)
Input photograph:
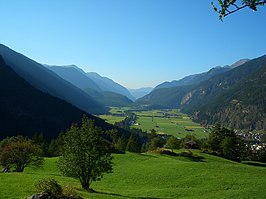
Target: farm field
point(153, 176)
point(176, 124)
point(170, 122)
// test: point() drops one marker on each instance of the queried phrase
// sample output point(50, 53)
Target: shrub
point(49, 187)
point(70, 193)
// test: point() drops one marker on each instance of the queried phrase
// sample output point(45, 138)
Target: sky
point(137, 43)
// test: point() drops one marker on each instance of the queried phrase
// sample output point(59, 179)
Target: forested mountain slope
point(242, 106)
point(103, 92)
point(235, 98)
point(26, 110)
point(47, 81)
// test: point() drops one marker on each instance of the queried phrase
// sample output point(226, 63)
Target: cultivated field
point(153, 176)
point(170, 122)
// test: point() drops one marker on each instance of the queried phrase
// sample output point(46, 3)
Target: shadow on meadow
point(186, 155)
point(132, 197)
point(257, 164)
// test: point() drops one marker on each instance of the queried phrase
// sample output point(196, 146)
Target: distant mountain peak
point(239, 63)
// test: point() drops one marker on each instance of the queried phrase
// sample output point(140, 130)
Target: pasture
point(153, 175)
point(170, 122)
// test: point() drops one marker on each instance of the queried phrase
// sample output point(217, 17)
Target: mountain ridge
point(47, 81)
point(207, 101)
point(26, 110)
point(197, 78)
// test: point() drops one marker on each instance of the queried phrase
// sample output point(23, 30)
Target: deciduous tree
point(20, 152)
point(85, 154)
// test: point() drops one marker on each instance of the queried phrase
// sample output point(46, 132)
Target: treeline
point(222, 142)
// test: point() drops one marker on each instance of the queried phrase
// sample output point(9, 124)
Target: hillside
point(242, 105)
point(198, 78)
point(101, 89)
point(209, 100)
point(47, 81)
point(164, 97)
point(153, 176)
point(107, 84)
point(109, 98)
point(26, 110)
point(75, 75)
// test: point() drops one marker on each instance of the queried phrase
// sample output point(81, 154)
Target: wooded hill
point(236, 98)
point(101, 89)
point(47, 81)
point(26, 110)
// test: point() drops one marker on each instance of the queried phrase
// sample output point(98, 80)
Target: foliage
point(121, 144)
point(20, 152)
point(172, 143)
point(133, 144)
point(85, 155)
point(49, 187)
point(70, 193)
point(230, 6)
point(155, 141)
point(227, 143)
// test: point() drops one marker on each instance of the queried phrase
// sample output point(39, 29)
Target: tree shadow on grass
point(189, 155)
point(186, 154)
point(257, 164)
point(146, 155)
point(119, 195)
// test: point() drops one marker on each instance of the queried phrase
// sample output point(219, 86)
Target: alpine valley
point(234, 96)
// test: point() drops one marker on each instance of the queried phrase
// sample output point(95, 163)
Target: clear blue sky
point(137, 43)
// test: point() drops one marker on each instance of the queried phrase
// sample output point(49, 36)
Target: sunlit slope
point(154, 176)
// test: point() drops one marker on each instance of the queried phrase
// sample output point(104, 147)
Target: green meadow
point(153, 175)
point(178, 126)
point(176, 123)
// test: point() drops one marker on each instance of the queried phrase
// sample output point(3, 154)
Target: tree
point(20, 152)
point(230, 6)
point(227, 143)
point(84, 154)
point(133, 144)
point(172, 143)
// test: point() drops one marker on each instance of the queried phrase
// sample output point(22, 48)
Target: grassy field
point(153, 176)
point(112, 118)
point(176, 124)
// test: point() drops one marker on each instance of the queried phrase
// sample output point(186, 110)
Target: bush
point(70, 193)
point(49, 187)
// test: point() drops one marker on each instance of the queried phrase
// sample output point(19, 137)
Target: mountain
point(26, 110)
point(109, 98)
point(140, 92)
point(47, 81)
point(107, 84)
point(239, 63)
point(197, 78)
point(164, 97)
point(93, 86)
point(75, 75)
point(235, 98)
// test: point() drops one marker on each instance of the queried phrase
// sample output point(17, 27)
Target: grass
point(112, 118)
point(178, 124)
point(153, 175)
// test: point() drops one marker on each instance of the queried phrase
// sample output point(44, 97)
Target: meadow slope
point(153, 176)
